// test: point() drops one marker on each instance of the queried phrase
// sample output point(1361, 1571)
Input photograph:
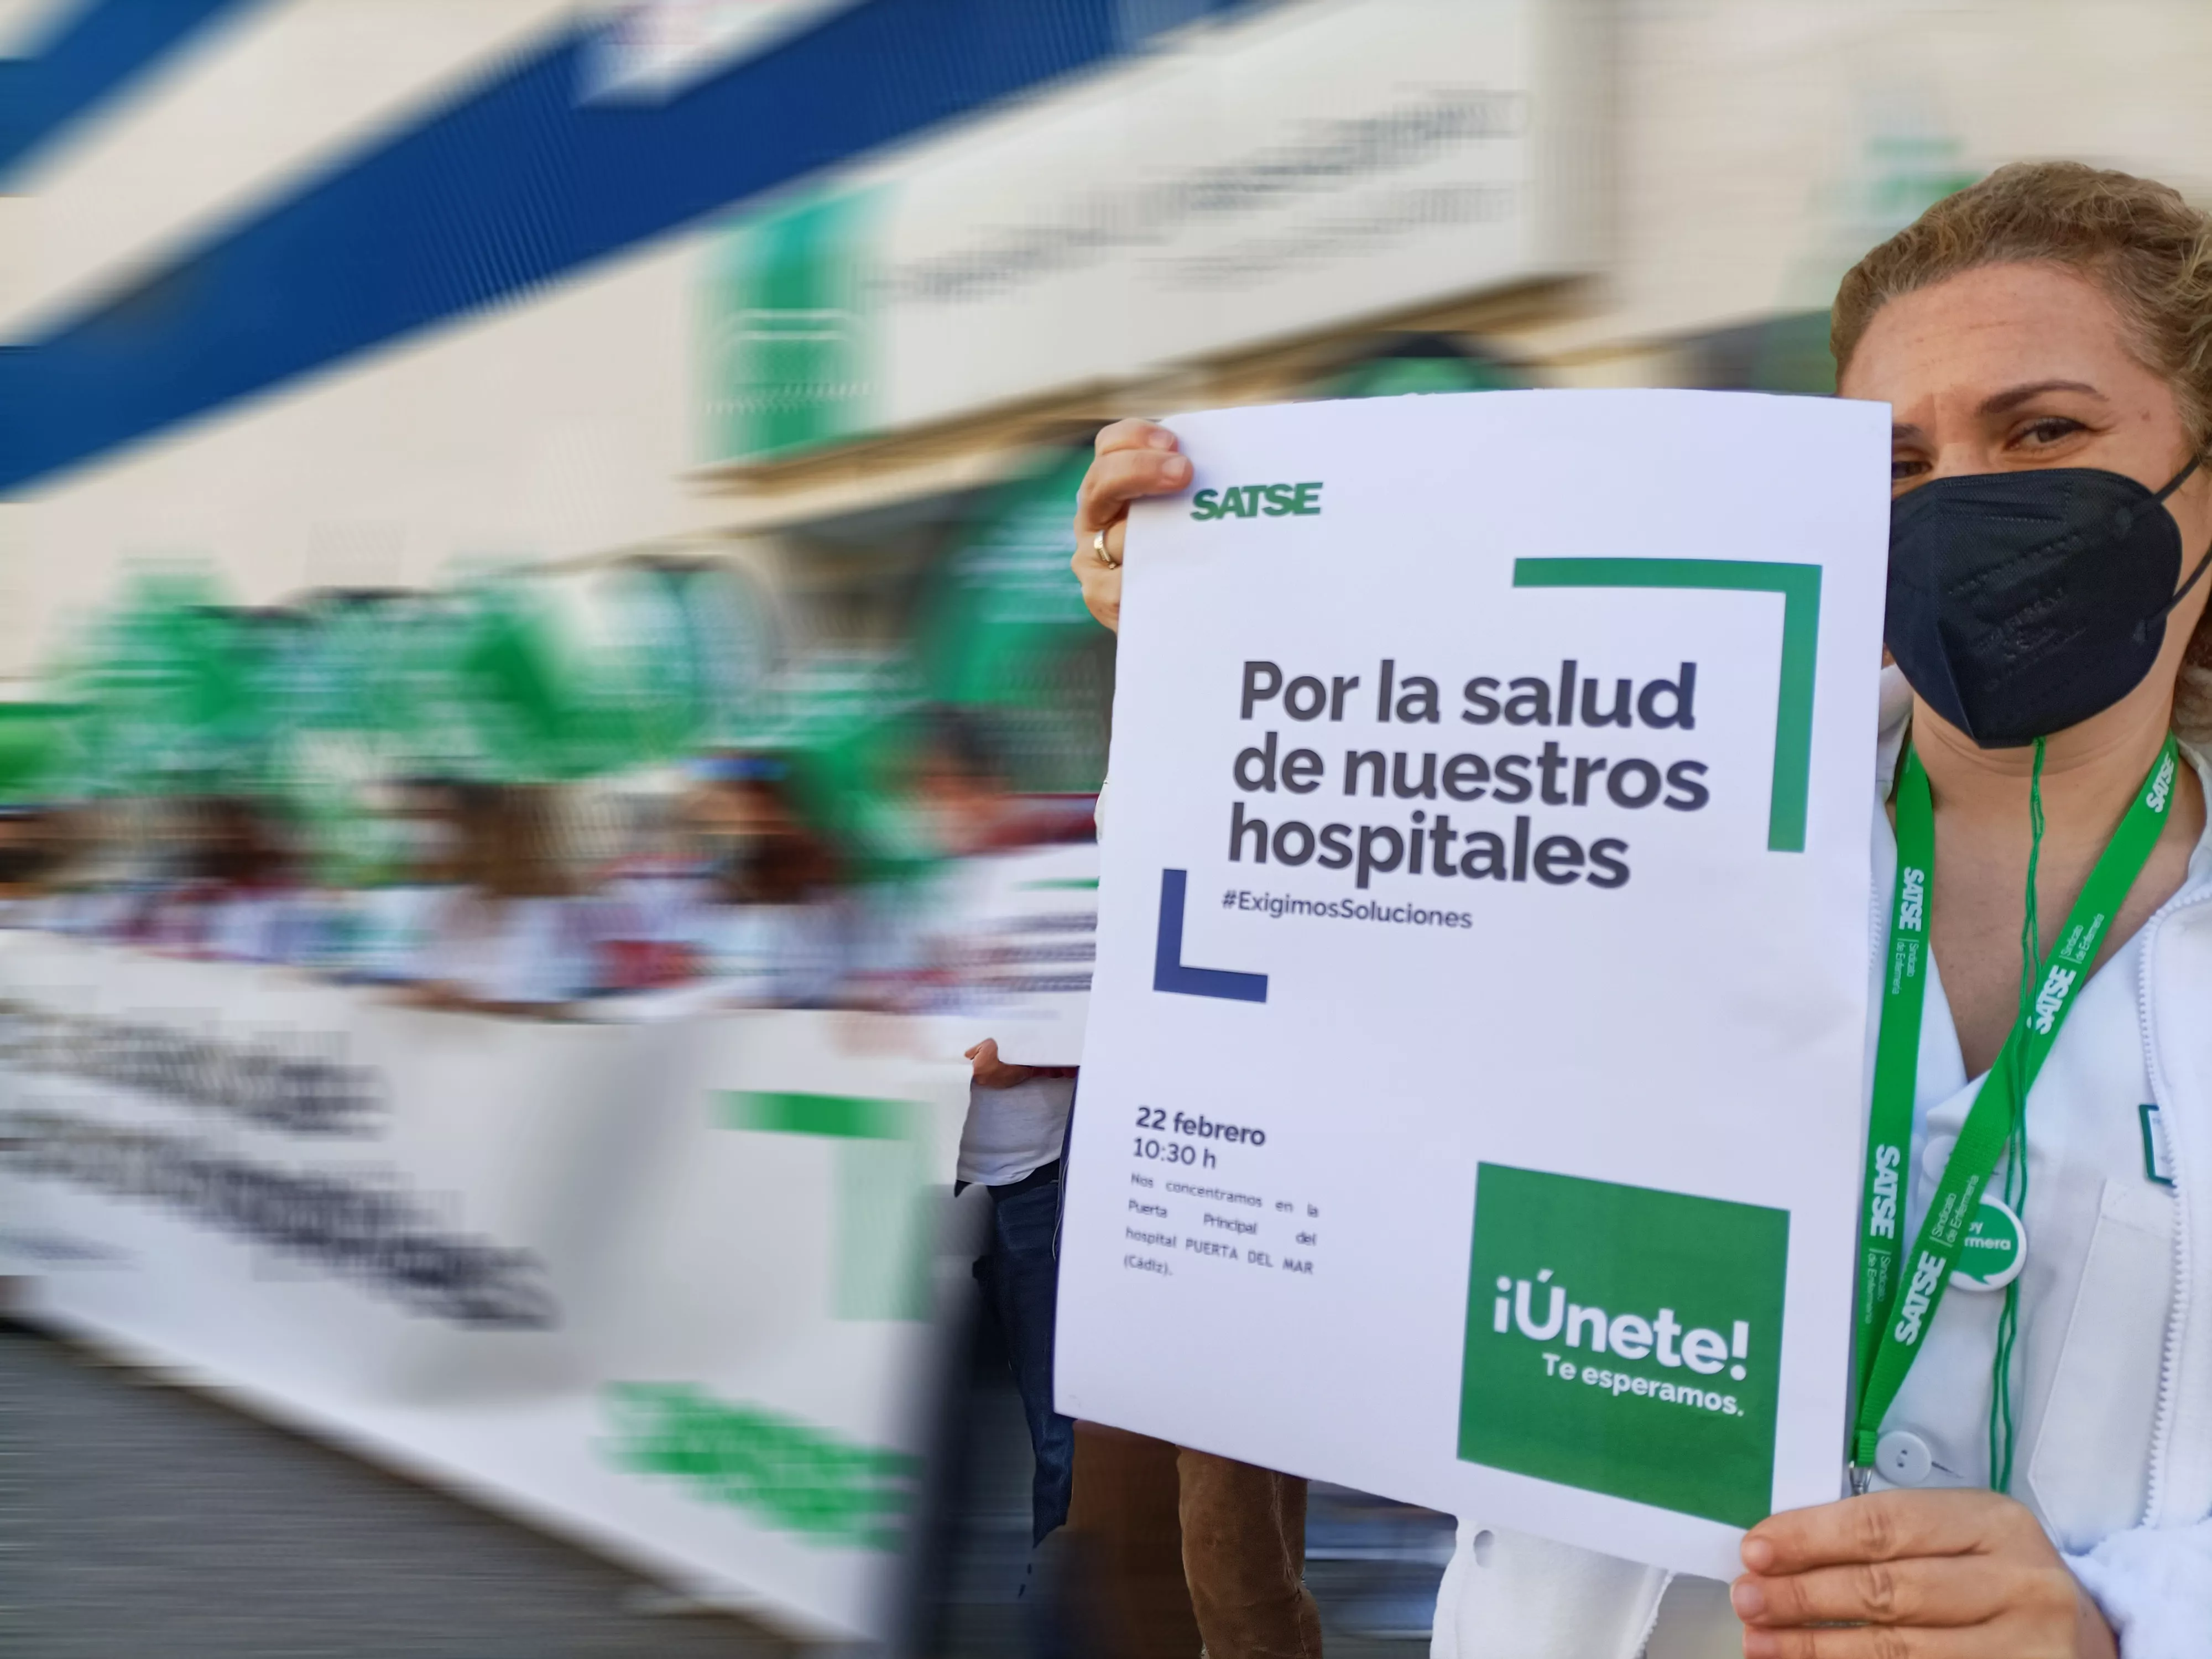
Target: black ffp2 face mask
point(2023, 603)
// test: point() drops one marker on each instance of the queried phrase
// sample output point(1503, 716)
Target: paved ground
point(141, 1522)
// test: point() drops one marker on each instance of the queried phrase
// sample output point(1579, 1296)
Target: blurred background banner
point(1297, 168)
point(668, 1290)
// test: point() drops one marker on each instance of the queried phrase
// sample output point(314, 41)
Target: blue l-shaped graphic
point(1168, 973)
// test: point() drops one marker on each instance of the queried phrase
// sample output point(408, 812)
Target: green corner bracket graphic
point(1799, 584)
point(880, 1267)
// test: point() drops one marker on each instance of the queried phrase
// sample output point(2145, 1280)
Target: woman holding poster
point(2033, 1456)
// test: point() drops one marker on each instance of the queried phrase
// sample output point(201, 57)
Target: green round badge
point(1994, 1250)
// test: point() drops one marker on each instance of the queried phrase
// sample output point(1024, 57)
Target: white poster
point(1472, 1104)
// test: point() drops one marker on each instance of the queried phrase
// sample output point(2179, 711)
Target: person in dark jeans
point(1017, 1125)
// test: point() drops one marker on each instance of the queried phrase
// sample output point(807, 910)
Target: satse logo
point(1927, 1273)
point(1913, 906)
point(2052, 998)
point(1881, 1221)
point(2160, 785)
point(1243, 502)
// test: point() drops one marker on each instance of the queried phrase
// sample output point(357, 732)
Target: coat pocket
point(2091, 1465)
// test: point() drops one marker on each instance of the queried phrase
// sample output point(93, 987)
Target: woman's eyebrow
point(2001, 402)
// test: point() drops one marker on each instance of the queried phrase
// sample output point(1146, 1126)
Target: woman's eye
point(1902, 467)
point(2049, 430)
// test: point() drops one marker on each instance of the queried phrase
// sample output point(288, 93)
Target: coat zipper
point(2178, 1317)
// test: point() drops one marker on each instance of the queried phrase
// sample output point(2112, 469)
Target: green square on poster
point(1624, 1340)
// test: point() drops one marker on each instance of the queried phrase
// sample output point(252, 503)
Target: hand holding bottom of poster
point(1473, 1090)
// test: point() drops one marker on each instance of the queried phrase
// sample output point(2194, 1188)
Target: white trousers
point(1510, 1595)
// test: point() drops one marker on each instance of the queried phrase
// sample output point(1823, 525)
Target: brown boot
point(1122, 1523)
point(1244, 1555)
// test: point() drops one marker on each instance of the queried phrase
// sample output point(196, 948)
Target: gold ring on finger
point(1098, 546)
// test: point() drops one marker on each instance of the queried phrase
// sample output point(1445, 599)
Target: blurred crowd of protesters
point(725, 891)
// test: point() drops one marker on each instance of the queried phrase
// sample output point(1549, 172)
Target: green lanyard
point(1894, 1313)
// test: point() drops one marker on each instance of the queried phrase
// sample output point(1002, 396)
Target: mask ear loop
point(2181, 592)
point(2179, 478)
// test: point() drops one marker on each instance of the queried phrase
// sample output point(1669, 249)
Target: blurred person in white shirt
point(521, 937)
point(759, 918)
point(240, 900)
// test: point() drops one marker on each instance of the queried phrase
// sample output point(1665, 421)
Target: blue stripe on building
point(515, 184)
point(95, 53)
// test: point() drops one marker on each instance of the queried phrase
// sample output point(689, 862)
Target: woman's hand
point(1135, 459)
point(991, 1071)
point(1949, 1575)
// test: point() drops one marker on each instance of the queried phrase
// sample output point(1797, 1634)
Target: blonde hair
point(2146, 249)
